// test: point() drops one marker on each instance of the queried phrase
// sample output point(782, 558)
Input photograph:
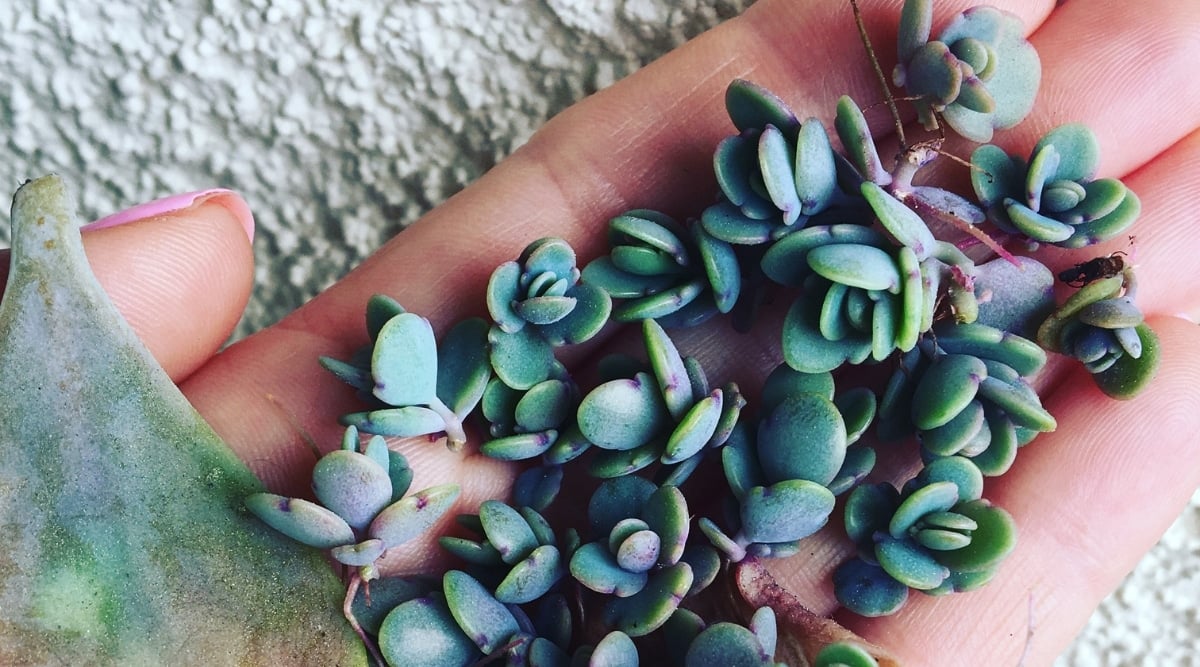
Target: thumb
point(179, 269)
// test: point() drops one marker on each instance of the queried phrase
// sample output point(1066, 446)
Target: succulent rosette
point(980, 74)
point(414, 385)
point(661, 270)
point(361, 510)
point(515, 551)
point(1054, 197)
point(665, 414)
point(967, 395)
point(525, 424)
point(1101, 326)
point(784, 475)
point(937, 536)
point(728, 643)
point(538, 303)
point(774, 175)
point(863, 296)
point(641, 557)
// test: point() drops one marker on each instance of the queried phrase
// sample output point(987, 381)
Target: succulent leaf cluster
point(728, 643)
point(775, 174)
point(1102, 327)
point(414, 385)
point(937, 535)
point(640, 559)
point(361, 509)
point(663, 270)
point(784, 475)
point(980, 74)
point(516, 552)
point(666, 413)
point(1054, 197)
point(966, 393)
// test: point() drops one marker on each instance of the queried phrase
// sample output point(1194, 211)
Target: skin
point(1122, 68)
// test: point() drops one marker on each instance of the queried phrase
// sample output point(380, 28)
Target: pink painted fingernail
point(227, 198)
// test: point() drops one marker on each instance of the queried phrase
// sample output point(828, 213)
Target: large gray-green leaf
point(126, 540)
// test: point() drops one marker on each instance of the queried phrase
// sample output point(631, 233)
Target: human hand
point(636, 145)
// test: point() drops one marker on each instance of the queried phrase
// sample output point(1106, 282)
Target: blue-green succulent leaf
point(1077, 148)
point(592, 308)
point(803, 438)
point(995, 175)
point(720, 266)
point(856, 138)
point(302, 520)
point(930, 498)
point(546, 405)
point(901, 221)
point(694, 429)
point(639, 551)
point(815, 171)
point(775, 160)
point(623, 414)
point(916, 22)
point(596, 568)
point(358, 555)
point(946, 388)
point(532, 577)
point(503, 292)
point(752, 107)
point(507, 530)
point(485, 620)
point(616, 649)
point(1022, 295)
point(862, 266)
point(910, 564)
point(602, 273)
point(729, 644)
point(646, 611)
point(352, 485)
point(666, 513)
point(617, 499)
point(521, 359)
point(412, 515)
point(842, 653)
point(993, 539)
point(867, 590)
point(726, 222)
point(536, 488)
point(406, 422)
point(423, 632)
point(404, 362)
point(380, 309)
point(785, 511)
point(1129, 375)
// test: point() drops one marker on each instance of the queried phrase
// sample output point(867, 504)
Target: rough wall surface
point(341, 122)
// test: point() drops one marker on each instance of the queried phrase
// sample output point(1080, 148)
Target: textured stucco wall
point(343, 121)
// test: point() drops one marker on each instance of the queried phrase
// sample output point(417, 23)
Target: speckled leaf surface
point(126, 541)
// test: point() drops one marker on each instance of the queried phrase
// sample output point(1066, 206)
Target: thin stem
point(456, 437)
point(883, 84)
point(348, 612)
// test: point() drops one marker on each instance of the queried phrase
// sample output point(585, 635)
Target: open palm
point(1089, 498)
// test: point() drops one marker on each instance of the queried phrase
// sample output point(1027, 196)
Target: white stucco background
point(341, 122)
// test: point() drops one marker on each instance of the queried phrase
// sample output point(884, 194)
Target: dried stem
point(883, 84)
point(348, 612)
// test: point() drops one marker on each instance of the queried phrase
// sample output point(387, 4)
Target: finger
point(178, 269)
point(1089, 500)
